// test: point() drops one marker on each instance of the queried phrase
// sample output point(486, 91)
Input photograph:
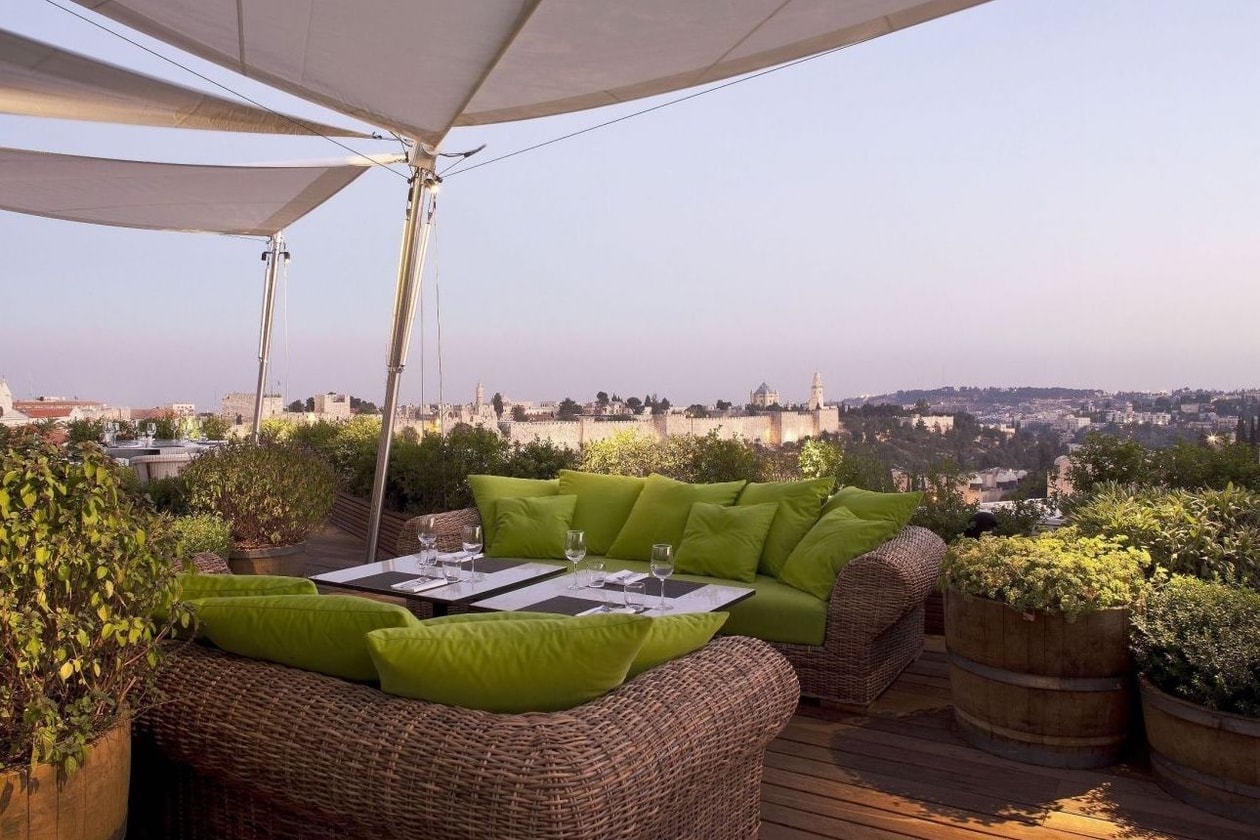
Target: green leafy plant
point(202, 532)
point(214, 427)
point(85, 431)
point(1061, 572)
point(1200, 641)
point(1209, 534)
point(84, 569)
point(169, 495)
point(273, 494)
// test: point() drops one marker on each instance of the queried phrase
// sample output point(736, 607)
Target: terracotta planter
point(1040, 690)
point(277, 560)
point(1209, 759)
point(89, 804)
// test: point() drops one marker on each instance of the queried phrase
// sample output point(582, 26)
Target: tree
point(661, 407)
point(497, 402)
point(697, 410)
point(295, 406)
point(363, 406)
point(635, 404)
point(722, 405)
point(518, 414)
point(568, 409)
point(601, 400)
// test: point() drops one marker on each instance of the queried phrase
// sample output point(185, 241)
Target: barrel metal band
point(1036, 680)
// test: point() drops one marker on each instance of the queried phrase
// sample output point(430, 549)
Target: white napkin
point(419, 584)
point(591, 611)
point(625, 576)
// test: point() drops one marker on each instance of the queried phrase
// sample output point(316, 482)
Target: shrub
point(1209, 534)
point(85, 431)
point(202, 532)
point(1200, 641)
point(169, 495)
point(83, 570)
point(349, 446)
point(273, 494)
point(1059, 572)
point(214, 427)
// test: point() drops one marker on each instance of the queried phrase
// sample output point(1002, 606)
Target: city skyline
point(1040, 192)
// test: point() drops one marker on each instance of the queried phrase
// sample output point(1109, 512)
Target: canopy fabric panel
point(250, 200)
point(41, 80)
point(420, 67)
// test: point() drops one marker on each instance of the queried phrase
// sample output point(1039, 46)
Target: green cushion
point(777, 613)
point(660, 514)
point(488, 489)
point(800, 504)
point(838, 537)
point(604, 504)
point(674, 636)
point(457, 618)
point(193, 585)
point(724, 542)
point(867, 504)
point(541, 665)
point(323, 633)
point(533, 528)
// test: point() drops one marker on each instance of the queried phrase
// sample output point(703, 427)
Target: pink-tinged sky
point(1032, 192)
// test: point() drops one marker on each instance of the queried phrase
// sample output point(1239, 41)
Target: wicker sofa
point(240, 748)
point(874, 623)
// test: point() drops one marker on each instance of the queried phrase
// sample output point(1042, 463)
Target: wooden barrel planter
point(1209, 759)
point(277, 560)
point(1039, 689)
point(88, 804)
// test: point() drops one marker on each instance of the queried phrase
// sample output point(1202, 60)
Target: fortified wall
point(771, 429)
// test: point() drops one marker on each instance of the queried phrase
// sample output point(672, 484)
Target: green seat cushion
point(539, 665)
point(776, 613)
point(867, 504)
point(323, 633)
point(674, 636)
point(193, 585)
point(532, 527)
point(488, 489)
point(660, 514)
point(724, 542)
point(837, 538)
point(604, 503)
point(800, 504)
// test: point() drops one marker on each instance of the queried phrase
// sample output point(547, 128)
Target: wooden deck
point(900, 771)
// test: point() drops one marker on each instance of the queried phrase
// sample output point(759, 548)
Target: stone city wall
point(771, 429)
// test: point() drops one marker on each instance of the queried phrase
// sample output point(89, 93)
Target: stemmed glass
point(662, 567)
point(428, 542)
point(150, 430)
point(575, 550)
point(472, 545)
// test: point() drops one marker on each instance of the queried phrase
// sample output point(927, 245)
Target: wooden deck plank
point(899, 771)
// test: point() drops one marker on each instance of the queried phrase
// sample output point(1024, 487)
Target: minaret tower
point(816, 393)
point(481, 398)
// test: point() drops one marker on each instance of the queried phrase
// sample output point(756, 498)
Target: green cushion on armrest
point(867, 504)
point(488, 489)
point(724, 542)
point(193, 585)
point(674, 636)
point(532, 528)
point(837, 538)
point(539, 665)
point(323, 633)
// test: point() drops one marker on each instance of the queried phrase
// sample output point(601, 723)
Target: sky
point(1029, 192)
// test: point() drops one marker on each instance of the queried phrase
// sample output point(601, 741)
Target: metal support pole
point(272, 258)
point(415, 242)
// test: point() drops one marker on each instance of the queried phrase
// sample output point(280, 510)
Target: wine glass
point(662, 567)
point(472, 544)
point(150, 430)
point(575, 550)
point(428, 543)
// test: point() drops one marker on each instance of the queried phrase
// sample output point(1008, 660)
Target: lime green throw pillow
point(604, 503)
point(532, 528)
point(867, 504)
point(675, 636)
point(838, 537)
point(193, 585)
point(323, 633)
point(724, 542)
point(488, 489)
point(800, 505)
point(540, 665)
point(660, 514)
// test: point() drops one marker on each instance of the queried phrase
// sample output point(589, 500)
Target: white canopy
point(419, 67)
point(41, 80)
point(252, 200)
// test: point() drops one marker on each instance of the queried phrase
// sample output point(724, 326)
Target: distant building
point(238, 409)
point(333, 405)
point(816, 393)
point(763, 397)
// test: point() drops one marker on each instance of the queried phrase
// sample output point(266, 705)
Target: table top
point(554, 595)
point(494, 575)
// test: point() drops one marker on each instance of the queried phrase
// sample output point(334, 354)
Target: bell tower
point(816, 393)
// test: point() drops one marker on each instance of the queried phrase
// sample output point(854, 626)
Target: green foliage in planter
point(85, 431)
point(83, 570)
point(1059, 572)
point(169, 495)
point(1209, 534)
point(214, 427)
point(202, 532)
point(1200, 641)
point(273, 494)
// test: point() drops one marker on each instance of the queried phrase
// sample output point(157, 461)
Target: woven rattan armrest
point(448, 526)
point(876, 589)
